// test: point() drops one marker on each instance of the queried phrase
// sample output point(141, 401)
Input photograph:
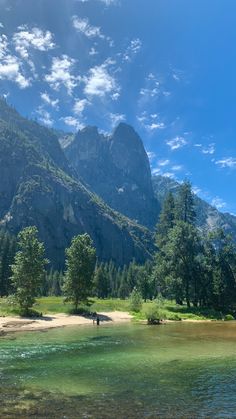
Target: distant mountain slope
point(208, 217)
point(37, 187)
point(116, 167)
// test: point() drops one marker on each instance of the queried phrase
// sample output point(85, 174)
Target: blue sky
point(167, 67)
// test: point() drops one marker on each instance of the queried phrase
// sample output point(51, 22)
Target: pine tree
point(166, 219)
point(28, 268)
point(185, 210)
point(80, 266)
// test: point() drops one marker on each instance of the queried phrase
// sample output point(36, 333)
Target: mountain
point(115, 167)
point(38, 187)
point(208, 217)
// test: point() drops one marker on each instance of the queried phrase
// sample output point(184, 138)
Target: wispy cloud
point(151, 88)
point(61, 74)
point(206, 149)
point(80, 105)
point(229, 162)
point(82, 25)
point(44, 117)
point(163, 163)
point(3, 46)
point(218, 203)
point(177, 167)
point(72, 122)
point(151, 155)
point(48, 100)
point(150, 122)
point(196, 190)
point(176, 143)
point(210, 149)
point(133, 48)
point(93, 51)
point(115, 118)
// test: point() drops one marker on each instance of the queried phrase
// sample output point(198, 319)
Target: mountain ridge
point(37, 187)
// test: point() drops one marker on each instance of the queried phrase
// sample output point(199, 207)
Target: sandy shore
point(16, 324)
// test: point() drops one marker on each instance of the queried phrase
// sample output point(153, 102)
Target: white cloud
point(93, 51)
point(46, 98)
point(210, 149)
point(196, 190)
point(1, 25)
point(218, 203)
point(151, 92)
point(109, 2)
point(177, 142)
point(100, 83)
point(227, 162)
point(106, 2)
point(35, 38)
point(44, 117)
point(151, 155)
point(10, 69)
point(3, 46)
point(169, 174)
point(115, 118)
point(177, 168)
point(134, 47)
point(153, 126)
point(156, 171)
point(151, 89)
point(176, 77)
point(72, 122)
point(61, 74)
point(166, 93)
point(163, 163)
point(80, 105)
point(150, 122)
point(82, 25)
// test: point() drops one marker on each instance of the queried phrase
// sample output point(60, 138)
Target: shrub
point(136, 300)
point(154, 314)
point(229, 317)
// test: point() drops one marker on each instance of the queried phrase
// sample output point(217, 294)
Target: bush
point(154, 314)
point(229, 317)
point(136, 300)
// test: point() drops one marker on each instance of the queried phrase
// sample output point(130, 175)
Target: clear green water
point(128, 371)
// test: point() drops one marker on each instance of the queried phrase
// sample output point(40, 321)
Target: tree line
point(189, 265)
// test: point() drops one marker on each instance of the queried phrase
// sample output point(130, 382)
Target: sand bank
point(16, 324)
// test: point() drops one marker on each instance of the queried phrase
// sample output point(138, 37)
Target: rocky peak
point(117, 169)
point(87, 143)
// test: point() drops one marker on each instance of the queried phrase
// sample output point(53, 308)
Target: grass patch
point(171, 310)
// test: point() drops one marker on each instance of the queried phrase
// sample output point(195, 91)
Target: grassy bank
point(172, 311)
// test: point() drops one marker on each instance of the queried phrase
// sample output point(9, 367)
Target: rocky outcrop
point(37, 187)
point(116, 168)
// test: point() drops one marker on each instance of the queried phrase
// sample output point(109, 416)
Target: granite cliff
point(37, 187)
point(115, 167)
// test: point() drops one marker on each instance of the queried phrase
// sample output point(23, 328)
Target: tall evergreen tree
point(185, 207)
point(28, 267)
point(80, 266)
point(166, 219)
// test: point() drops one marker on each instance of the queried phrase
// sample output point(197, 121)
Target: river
point(178, 370)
